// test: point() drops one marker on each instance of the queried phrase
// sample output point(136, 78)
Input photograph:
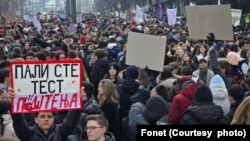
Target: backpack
point(237, 73)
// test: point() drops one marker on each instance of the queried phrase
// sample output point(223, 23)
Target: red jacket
point(83, 40)
point(181, 102)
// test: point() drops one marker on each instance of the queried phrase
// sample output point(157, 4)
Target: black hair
point(162, 91)
point(236, 91)
point(89, 89)
point(3, 74)
point(40, 55)
point(186, 70)
point(72, 54)
point(115, 66)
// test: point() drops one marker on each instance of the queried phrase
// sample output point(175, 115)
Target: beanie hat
point(218, 46)
point(156, 107)
point(4, 106)
point(203, 94)
point(233, 58)
point(132, 72)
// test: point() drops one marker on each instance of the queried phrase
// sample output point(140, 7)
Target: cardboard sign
point(46, 86)
point(210, 18)
point(145, 50)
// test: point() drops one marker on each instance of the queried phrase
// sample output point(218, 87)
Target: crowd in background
point(202, 81)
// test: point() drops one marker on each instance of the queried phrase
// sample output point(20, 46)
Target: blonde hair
point(240, 115)
point(108, 88)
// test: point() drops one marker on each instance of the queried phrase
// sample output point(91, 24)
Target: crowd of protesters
point(202, 81)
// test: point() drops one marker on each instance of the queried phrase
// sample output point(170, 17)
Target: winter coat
point(233, 108)
point(8, 126)
point(220, 94)
point(111, 113)
point(91, 106)
point(156, 107)
point(58, 132)
point(125, 90)
point(205, 114)
point(181, 102)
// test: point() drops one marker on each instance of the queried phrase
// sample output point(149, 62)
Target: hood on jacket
point(109, 136)
point(218, 88)
point(6, 119)
point(156, 107)
point(129, 86)
point(220, 93)
point(142, 95)
point(184, 79)
point(189, 90)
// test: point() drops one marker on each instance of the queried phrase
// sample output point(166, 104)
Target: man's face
point(61, 56)
point(29, 58)
point(203, 65)
point(45, 120)
point(95, 131)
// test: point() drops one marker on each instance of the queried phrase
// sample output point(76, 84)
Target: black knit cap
point(203, 94)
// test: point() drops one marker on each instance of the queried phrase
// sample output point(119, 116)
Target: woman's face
point(186, 57)
point(202, 49)
point(180, 52)
point(27, 46)
point(100, 90)
point(112, 71)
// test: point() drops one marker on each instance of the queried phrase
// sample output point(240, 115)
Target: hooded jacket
point(156, 107)
point(8, 126)
point(125, 90)
point(98, 70)
point(203, 111)
point(181, 102)
point(220, 94)
point(139, 102)
point(109, 136)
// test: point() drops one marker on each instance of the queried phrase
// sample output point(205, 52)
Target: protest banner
point(236, 15)
point(46, 86)
point(204, 19)
point(171, 16)
point(139, 14)
point(72, 27)
point(145, 50)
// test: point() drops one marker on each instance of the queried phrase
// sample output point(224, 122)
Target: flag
point(160, 11)
point(218, 2)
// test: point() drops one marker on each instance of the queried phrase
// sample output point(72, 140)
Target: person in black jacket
point(204, 111)
point(44, 129)
point(236, 95)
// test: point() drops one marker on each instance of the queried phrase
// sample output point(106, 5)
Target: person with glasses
point(97, 128)
point(44, 129)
